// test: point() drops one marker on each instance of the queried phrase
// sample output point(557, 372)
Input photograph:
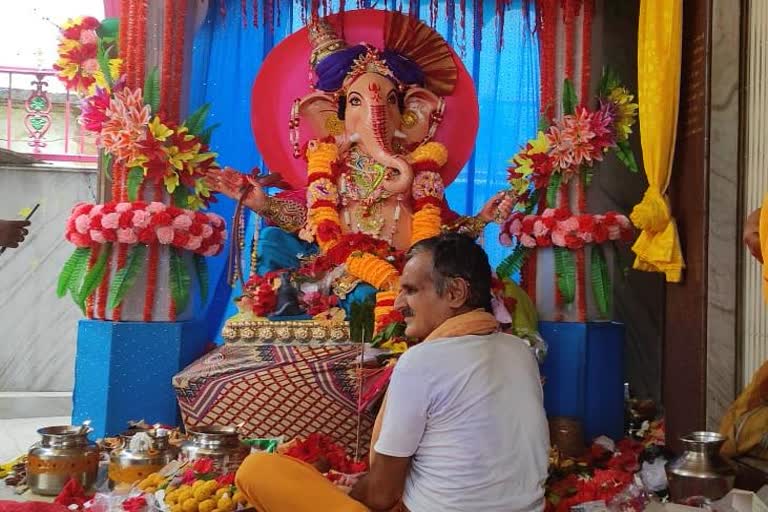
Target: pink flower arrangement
point(146, 223)
point(558, 227)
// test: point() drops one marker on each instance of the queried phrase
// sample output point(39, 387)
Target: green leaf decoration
point(361, 321)
point(625, 154)
point(205, 136)
point(196, 121)
point(609, 80)
point(201, 266)
point(181, 197)
point(94, 276)
point(109, 28)
point(512, 264)
point(570, 100)
point(76, 279)
point(565, 269)
point(544, 122)
point(102, 57)
point(179, 280)
point(553, 188)
point(393, 330)
point(135, 179)
point(125, 278)
point(73, 269)
point(532, 202)
point(602, 288)
point(106, 164)
point(152, 90)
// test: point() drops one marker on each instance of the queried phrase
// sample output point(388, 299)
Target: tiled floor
point(16, 436)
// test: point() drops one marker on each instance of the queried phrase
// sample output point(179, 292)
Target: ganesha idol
point(375, 137)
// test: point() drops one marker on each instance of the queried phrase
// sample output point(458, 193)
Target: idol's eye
point(355, 101)
point(392, 98)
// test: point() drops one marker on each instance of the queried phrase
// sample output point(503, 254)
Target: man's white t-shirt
point(469, 411)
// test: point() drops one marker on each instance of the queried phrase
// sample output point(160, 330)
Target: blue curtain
point(228, 52)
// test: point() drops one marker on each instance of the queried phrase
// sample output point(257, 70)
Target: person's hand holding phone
point(13, 232)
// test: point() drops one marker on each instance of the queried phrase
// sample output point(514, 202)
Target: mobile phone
point(32, 212)
point(29, 216)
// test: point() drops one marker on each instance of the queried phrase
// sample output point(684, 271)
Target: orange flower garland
point(385, 303)
point(428, 191)
point(372, 269)
point(323, 219)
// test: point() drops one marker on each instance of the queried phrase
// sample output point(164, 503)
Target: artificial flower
point(126, 125)
point(558, 227)
point(135, 504)
point(203, 466)
point(624, 110)
point(94, 110)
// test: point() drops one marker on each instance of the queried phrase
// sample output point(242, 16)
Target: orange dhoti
point(278, 483)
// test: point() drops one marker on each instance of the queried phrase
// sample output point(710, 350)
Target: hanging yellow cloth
point(658, 78)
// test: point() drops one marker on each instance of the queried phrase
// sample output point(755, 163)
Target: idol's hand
point(233, 184)
point(498, 208)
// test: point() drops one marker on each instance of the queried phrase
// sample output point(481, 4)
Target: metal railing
point(42, 122)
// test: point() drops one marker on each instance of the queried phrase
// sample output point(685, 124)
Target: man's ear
point(457, 292)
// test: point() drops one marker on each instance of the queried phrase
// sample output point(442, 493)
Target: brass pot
point(127, 466)
point(567, 434)
point(700, 470)
point(63, 452)
point(218, 443)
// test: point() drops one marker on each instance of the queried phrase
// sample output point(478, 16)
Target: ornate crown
point(369, 62)
point(324, 41)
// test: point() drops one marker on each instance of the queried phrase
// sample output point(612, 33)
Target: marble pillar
point(724, 241)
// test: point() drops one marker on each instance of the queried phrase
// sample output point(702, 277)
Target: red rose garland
point(558, 227)
point(146, 223)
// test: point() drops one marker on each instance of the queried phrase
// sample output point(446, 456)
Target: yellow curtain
point(658, 78)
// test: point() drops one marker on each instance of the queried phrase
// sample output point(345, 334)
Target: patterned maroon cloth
point(277, 390)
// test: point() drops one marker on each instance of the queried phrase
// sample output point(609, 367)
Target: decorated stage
point(260, 310)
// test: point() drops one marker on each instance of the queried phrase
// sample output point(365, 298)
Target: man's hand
point(12, 232)
point(382, 488)
point(751, 235)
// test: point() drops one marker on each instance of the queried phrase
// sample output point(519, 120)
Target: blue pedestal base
point(584, 372)
point(123, 371)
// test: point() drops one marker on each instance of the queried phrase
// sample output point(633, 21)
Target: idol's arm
point(285, 213)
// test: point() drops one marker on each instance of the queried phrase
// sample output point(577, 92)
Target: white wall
point(38, 330)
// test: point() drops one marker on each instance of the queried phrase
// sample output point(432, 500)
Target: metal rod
point(359, 395)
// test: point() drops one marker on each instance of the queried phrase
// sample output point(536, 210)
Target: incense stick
point(359, 395)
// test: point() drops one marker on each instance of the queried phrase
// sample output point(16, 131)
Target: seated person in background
point(462, 427)
point(744, 424)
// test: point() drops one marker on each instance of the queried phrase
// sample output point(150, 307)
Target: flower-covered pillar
point(139, 262)
point(558, 247)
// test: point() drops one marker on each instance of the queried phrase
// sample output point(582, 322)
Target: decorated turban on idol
point(374, 136)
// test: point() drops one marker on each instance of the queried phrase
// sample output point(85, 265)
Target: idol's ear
point(320, 110)
point(420, 103)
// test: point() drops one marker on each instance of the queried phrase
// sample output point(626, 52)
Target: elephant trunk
point(383, 153)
